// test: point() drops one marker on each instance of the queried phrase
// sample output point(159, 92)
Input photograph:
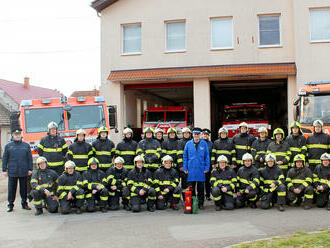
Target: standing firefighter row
point(236, 172)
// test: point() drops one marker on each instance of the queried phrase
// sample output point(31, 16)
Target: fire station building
point(208, 54)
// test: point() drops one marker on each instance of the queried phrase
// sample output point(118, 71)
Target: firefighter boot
point(39, 211)
point(281, 207)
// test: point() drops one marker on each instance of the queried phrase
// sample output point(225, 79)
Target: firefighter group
point(234, 173)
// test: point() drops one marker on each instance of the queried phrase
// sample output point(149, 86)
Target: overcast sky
point(55, 43)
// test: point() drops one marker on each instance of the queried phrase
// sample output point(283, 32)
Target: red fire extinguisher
point(188, 201)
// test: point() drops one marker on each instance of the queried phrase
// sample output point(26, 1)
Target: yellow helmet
point(102, 129)
point(295, 124)
point(93, 161)
point(172, 130)
point(278, 131)
point(299, 157)
point(148, 130)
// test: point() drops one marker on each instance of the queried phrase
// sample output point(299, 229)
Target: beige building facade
point(207, 54)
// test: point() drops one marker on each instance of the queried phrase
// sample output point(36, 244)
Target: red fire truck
point(71, 114)
point(255, 115)
point(166, 117)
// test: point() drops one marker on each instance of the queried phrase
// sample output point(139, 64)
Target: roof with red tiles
point(86, 93)
point(18, 92)
point(278, 69)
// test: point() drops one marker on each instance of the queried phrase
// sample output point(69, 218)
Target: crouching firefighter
point(248, 182)
point(167, 185)
point(43, 187)
point(299, 183)
point(69, 190)
point(116, 183)
point(140, 183)
point(94, 187)
point(322, 181)
point(272, 184)
point(223, 181)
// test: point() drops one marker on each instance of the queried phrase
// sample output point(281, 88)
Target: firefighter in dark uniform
point(127, 149)
point(43, 183)
point(104, 149)
point(170, 146)
point(223, 146)
point(242, 142)
point(94, 187)
point(69, 189)
point(299, 183)
point(116, 182)
point(186, 136)
point(280, 149)
point(159, 135)
point(140, 184)
point(272, 184)
point(259, 148)
point(296, 141)
point(150, 149)
point(53, 148)
point(321, 181)
point(248, 183)
point(80, 151)
point(206, 136)
point(317, 144)
point(223, 181)
point(166, 183)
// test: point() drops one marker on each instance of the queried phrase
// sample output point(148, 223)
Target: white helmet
point(222, 158)
point(325, 156)
point(41, 160)
point(186, 130)
point(159, 130)
point(138, 158)
point(223, 130)
point(243, 124)
point(247, 156)
point(263, 130)
point(119, 160)
point(69, 164)
point(167, 158)
point(270, 157)
point(51, 125)
point(80, 131)
point(127, 130)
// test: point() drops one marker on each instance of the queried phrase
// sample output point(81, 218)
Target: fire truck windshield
point(175, 116)
point(86, 117)
point(155, 116)
point(314, 107)
point(244, 114)
point(36, 120)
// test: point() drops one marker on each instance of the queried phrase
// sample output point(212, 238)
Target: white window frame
point(185, 37)
point(280, 30)
point(232, 33)
point(310, 25)
point(122, 39)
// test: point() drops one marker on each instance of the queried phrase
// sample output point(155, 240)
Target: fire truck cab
point(255, 115)
point(70, 114)
point(166, 117)
point(313, 103)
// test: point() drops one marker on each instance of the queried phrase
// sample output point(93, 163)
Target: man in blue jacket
point(196, 163)
point(17, 165)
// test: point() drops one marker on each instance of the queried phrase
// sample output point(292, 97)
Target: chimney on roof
point(26, 82)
